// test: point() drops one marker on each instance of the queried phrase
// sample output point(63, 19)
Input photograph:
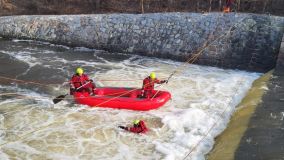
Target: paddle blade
point(59, 98)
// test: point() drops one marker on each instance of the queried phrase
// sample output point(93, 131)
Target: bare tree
point(239, 5)
point(264, 6)
point(210, 3)
point(142, 6)
point(97, 5)
point(197, 6)
point(220, 5)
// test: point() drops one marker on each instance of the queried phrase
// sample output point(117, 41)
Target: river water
point(32, 127)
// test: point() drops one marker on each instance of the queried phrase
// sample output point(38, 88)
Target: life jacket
point(148, 83)
point(140, 128)
point(77, 81)
point(143, 126)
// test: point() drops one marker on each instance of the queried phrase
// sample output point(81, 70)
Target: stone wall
point(239, 41)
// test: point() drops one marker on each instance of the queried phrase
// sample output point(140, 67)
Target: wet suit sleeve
point(158, 81)
point(136, 129)
point(86, 78)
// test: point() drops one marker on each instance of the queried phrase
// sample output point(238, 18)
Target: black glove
point(164, 81)
point(122, 127)
point(73, 90)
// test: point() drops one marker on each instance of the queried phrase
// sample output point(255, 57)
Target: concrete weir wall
point(240, 41)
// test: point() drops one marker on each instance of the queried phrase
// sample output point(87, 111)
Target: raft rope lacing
point(190, 60)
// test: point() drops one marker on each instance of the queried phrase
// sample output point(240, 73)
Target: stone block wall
point(239, 41)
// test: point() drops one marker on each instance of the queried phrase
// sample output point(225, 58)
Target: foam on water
point(41, 42)
point(23, 56)
point(203, 100)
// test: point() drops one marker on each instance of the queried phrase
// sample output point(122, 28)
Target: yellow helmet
point(136, 121)
point(79, 71)
point(153, 75)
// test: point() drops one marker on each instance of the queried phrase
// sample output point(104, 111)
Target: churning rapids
point(32, 127)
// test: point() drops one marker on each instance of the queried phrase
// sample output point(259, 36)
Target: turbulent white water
point(31, 127)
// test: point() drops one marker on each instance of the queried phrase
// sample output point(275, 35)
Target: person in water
point(148, 85)
point(80, 79)
point(139, 126)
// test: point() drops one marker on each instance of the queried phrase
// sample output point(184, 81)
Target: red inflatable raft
point(122, 98)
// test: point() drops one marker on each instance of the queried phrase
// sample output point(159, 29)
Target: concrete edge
point(228, 142)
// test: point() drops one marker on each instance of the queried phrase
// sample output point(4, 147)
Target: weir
point(255, 130)
point(266, 124)
point(238, 41)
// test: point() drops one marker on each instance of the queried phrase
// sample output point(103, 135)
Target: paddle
point(61, 97)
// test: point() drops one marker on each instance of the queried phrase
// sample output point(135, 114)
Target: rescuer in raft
point(80, 79)
point(148, 85)
point(138, 127)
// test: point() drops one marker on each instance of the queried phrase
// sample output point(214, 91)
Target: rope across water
point(191, 60)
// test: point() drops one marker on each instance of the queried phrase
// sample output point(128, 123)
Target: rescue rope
point(41, 84)
point(12, 93)
point(23, 81)
point(24, 136)
point(193, 58)
point(118, 80)
point(210, 129)
point(40, 128)
point(215, 123)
